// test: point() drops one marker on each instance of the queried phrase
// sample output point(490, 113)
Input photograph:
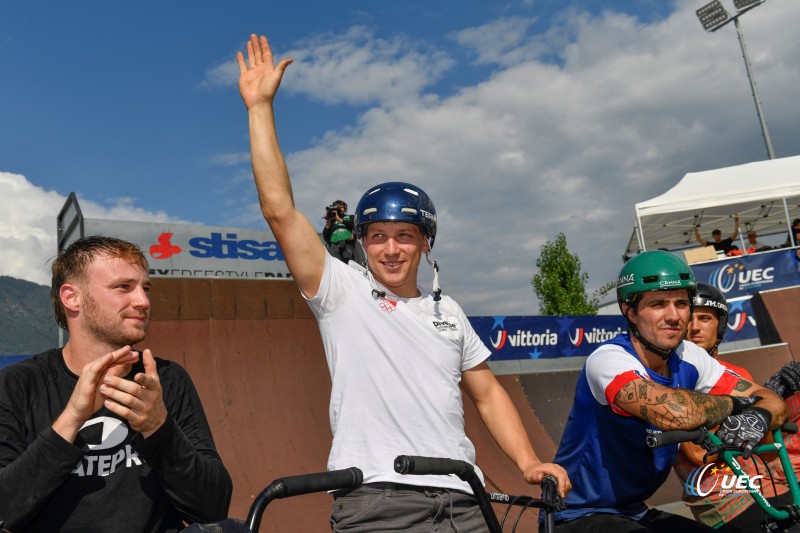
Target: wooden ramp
point(253, 350)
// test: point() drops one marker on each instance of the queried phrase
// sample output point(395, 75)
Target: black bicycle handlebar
point(349, 478)
point(676, 436)
point(696, 436)
point(432, 466)
point(425, 466)
point(422, 466)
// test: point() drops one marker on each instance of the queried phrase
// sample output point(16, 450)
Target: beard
point(108, 328)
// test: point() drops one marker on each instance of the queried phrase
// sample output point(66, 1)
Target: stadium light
point(713, 16)
point(741, 5)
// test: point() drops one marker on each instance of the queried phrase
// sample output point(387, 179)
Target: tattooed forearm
point(672, 408)
point(742, 385)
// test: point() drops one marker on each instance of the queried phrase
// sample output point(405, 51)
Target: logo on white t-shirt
point(387, 305)
point(445, 325)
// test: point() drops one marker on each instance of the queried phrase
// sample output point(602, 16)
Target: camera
point(332, 212)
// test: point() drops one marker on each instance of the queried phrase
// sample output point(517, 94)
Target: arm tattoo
point(672, 408)
point(742, 385)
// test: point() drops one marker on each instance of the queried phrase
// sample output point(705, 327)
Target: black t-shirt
point(111, 478)
point(725, 245)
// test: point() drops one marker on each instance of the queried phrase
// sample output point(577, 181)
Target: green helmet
point(654, 271)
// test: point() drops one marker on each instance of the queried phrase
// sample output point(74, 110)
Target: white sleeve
point(608, 369)
point(474, 351)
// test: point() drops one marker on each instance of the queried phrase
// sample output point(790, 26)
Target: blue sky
point(520, 119)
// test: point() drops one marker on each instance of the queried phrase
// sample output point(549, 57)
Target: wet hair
point(70, 265)
point(716, 232)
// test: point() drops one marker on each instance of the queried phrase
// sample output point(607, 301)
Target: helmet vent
point(411, 191)
point(370, 210)
point(684, 275)
point(408, 210)
point(650, 279)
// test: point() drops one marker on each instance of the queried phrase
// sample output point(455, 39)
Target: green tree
point(560, 285)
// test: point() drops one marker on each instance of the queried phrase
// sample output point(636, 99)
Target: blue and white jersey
point(603, 447)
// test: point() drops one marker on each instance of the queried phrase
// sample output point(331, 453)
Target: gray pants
point(392, 507)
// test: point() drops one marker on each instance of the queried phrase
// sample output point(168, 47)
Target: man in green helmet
point(643, 382)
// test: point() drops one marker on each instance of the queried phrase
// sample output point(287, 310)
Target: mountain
point(27, 325)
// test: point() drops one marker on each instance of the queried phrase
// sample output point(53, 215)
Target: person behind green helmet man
point(647, 381)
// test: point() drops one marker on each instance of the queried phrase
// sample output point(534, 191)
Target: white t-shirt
point(395, 367)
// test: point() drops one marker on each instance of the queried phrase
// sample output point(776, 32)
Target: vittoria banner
point(546, 337)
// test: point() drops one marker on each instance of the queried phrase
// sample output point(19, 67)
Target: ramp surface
point(253, 350)
point(782, 309)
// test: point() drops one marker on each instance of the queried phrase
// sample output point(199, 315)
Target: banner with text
point(749, 274)
point(184, 250)
point(547, 337)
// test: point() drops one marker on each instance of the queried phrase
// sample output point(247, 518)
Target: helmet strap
point(437, 291)
point(649, 346)
point(713, 349)
point(360, 242)
point(376, 292)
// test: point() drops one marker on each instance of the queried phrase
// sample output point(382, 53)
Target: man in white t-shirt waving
point(396, 352)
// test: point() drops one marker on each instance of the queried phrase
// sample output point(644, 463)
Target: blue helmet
point(396, 202)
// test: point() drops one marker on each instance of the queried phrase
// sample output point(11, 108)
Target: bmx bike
point(352, 478)
point(549, 503)
point(776, 519)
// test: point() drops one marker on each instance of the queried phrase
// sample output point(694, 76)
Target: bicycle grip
point(666, 438)
point(789, 427)
point(549, 488)
point(423, 466)
point(348, 478)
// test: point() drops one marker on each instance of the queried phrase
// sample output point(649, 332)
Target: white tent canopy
point(765, 194)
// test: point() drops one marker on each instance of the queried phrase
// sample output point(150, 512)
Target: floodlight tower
point(713, 16)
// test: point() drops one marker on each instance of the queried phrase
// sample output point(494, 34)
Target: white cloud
point(28, 229)
point(355, 68)
point(359, 68)
point(543, 147)
point(575, 124)
point(222, 75)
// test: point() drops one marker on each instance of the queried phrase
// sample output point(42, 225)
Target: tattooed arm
point(669, 409)
point(769, 401)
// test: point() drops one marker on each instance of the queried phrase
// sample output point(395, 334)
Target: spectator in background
point(339, 232)
point(796, 231)
point(753, 245)
point(719, 244)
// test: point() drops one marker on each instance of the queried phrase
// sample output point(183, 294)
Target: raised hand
point(259, 78)
point(140, 401)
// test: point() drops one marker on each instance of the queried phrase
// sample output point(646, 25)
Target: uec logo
point(697, 484)
point(727, 277)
